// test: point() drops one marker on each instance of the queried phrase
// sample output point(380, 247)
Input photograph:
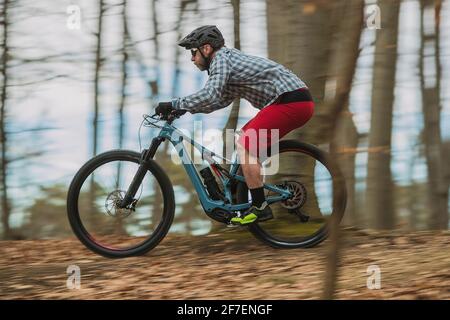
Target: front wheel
point(318, 189)
point(96, 217)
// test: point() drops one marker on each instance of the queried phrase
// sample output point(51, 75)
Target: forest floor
point(231, 265)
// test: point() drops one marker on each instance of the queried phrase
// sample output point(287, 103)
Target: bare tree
point(446, 157)
point(307, 44)
point(302, 42)
point(125, 39)
point(342, 70)
point(133, 53)
point(154, 84)
point(300, 37)
point(431, 89)
point(234, 112)
point(3, 99)
point(379, 193)
point(183, 6)
point(98, 64)
point(342, 132)
point(347, 137)
point(176, 79)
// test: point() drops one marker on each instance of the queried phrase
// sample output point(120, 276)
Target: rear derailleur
point(301, 216)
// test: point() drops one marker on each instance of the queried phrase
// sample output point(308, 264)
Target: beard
point(201, 67)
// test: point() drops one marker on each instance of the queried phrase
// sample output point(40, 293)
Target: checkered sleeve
point(212, 96)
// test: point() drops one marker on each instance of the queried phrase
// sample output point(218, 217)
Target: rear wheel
point(318, 191)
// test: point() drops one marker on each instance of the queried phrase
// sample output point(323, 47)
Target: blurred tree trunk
point(307, 44)
point(176, 79)
point(4, 162)
point(414, 194)
point(379, 197)
point(347, 143)
point(119, 228)
point(342, 131)
point(98, 63)
point(446, 157)
point(122, 102)
point(234, 113)
point(176, 76)
point(154, 84)
point(299, 37)
point(431, 87)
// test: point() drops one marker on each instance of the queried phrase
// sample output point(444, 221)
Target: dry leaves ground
point(230, 265)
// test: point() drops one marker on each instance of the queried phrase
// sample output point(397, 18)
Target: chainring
point(220, 215)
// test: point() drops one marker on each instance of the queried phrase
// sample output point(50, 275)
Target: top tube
point(176, 136)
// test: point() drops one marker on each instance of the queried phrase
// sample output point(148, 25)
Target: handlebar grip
point(178, 113)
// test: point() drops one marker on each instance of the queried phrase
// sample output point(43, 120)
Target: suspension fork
point(146, 156)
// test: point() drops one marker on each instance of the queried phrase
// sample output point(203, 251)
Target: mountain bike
point(121, 203)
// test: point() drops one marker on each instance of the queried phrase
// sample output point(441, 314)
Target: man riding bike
point(283, 99)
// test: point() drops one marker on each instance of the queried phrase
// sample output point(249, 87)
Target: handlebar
point(174, 114)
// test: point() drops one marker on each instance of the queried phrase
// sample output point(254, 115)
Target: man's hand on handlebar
point(165, 110)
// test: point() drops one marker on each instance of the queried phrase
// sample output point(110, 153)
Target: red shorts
point(274, 122)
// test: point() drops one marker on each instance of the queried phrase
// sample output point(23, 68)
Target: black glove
point(164, 108)
point(178, 112)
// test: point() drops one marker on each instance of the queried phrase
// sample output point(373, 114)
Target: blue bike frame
point(176, 137)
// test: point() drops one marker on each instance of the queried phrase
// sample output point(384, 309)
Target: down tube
point(206, 202)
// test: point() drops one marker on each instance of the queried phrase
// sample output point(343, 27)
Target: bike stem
point(146, 156)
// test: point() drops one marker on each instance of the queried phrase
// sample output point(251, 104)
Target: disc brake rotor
point(299, 197)
point(112, 205)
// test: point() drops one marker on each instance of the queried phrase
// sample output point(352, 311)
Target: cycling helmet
point(201, 36)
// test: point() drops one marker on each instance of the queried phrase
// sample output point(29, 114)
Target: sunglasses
point(194, 52)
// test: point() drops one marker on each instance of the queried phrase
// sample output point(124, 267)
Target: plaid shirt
point(234, 74)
